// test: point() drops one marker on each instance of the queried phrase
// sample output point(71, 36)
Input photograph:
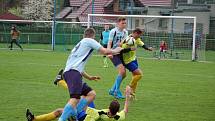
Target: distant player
point(73, 74)
point(163, 48)
point(130, 60)
point(104, 41)
point(116, 35)
point(14, 38)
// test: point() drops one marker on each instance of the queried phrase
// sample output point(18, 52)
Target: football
point(130, 41)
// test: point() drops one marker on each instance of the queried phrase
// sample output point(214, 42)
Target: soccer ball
point(130, 41)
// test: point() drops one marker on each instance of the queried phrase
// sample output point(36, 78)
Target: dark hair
point(89, 32)
point(121, 19)
point(114, 107)
point(138, 31)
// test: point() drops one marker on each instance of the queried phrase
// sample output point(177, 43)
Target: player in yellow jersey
point(112, 113)
point(129, 58)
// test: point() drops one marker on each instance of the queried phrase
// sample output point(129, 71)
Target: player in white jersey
point(116, 35)
point(74, 71)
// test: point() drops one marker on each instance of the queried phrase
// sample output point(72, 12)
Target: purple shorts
point(116, 60)
point(76, 86)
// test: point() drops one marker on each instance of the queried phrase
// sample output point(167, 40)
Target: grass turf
point(168, 91)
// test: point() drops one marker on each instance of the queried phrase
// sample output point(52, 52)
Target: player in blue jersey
point(74, 71)
point(104, 41)
point(116, 35)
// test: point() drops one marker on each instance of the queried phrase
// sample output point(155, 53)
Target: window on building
point(188, 28)
point(137, 23)
point(212, 26)
point(163, 23)
point(122, 5)
point(210, 1)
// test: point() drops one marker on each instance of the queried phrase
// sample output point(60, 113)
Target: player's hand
point(96, 78)
point(110, 56)
point(116, 50)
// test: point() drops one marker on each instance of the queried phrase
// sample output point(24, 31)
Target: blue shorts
point(132, 66)
point(116, 60)
point(76, 86)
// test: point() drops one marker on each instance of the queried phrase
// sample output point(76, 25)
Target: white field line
point(55, 65)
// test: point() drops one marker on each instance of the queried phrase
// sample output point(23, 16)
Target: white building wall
point(202, 18)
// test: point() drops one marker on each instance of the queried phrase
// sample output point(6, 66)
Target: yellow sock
point(45, 117)
point(134, 81)
point(63, 84)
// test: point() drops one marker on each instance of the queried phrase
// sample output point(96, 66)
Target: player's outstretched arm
point(147, 48)
point(108, 51)
point(127, 98)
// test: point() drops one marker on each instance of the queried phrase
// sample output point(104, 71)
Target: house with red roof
point(10, 16)
point(77, 10)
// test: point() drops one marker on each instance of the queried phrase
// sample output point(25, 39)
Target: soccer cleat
point(133, 96)
point(111, 92)
point(59, 77)
point(29, 115)
point(119, 95)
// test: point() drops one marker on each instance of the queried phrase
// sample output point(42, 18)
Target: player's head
point(106, 27)
point(89, 33)
point(114, 107)
point(121, 22)
point(137, 33)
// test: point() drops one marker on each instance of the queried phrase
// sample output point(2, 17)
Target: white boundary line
point(26, 49)
point(96, 55)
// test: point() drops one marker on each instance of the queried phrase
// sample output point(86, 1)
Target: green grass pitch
point(169, 90)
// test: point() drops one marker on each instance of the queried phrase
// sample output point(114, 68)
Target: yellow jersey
point(131, 55)
point(94, 115)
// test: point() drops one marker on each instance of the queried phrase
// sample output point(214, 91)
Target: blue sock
point(83, 113)
point(92, 105)
point(82, 103)
point(118, 82)
point(68, 111)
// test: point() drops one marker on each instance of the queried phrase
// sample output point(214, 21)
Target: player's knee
point(124, 75)
point(58, 112)
point(92, 95)
point(122, 71)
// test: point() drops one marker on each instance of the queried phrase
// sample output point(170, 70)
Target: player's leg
point(45, 117)
point(88, 97)
point(16, 42)
point(115, 90)
point(105, 63)
point(74, 81)
point(136, 74)
point(11, 44)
